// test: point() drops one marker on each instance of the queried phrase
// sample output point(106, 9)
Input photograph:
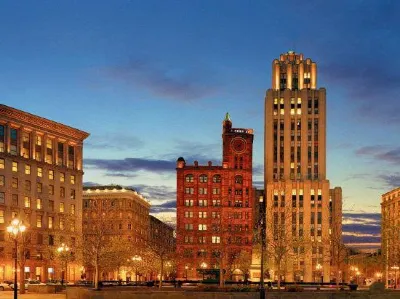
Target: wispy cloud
point(361, 227)
point(168, 81)
point(114, 142)
point(131, 164)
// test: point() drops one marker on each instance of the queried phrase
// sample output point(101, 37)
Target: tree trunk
point(21, 278)
point(279, 276)
point(221, 272)
point(96, 275)
point(161, 272)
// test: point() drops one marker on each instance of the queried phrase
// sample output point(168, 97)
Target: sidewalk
point(10, 295)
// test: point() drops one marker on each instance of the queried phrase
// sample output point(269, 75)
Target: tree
point(240, 260)
point(339, 253)
point(161, 251)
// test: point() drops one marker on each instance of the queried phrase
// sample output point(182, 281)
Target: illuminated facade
point(297, 190)
point(126, 212)
point(390, 207)
point(41, 184)
point(215, 207)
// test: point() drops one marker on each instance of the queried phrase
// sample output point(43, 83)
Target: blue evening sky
point(152, 80)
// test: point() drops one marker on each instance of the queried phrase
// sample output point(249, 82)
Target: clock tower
point(237, 146)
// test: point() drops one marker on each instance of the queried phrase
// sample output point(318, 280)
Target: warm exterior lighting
point(16, 228)
point(63, 250)
point(318, 267)
point(136, 259)
point(395, 268)
point(203, 265)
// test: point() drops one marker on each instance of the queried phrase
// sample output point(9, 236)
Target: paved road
point(10, 295)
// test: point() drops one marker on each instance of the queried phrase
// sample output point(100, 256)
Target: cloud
point(157, 194)
point(381, 153)
point(121, 175)
point(131, 164)
point(390, 180)
point(168, 206)
point(178, 83)
point(361, 227)
point(90, 184)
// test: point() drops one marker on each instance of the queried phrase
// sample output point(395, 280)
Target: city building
point(297, 190)
point(126, 213)
point(390, 207)
point(214, 210)
point(40, 184)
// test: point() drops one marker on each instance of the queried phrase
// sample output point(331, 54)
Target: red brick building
point(214, 210)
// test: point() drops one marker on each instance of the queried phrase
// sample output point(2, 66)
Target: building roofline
point(43, 122)
point(391, 191)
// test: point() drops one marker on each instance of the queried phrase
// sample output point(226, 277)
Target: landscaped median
point(153, 293)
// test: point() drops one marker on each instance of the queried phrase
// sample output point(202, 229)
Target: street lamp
point(15, 228)
point(63, 250)
point(318, 267)
point(136, 259)
point(262, 232)
point(395, 268)
point(186, 271)
point(357, 275)
point(203, 265)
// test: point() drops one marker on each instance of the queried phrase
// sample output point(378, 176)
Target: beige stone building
point(127, 214)
point(41, 184)
point(297, 190)
point(390, 207)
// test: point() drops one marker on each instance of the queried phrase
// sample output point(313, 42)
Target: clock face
point(238, 144)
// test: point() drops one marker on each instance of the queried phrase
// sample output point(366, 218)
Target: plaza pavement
point(10, 295)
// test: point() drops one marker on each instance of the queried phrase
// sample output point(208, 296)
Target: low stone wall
point(45, 289)
point(151, 293)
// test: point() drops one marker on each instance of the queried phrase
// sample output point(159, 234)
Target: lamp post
point(318, 268)
point(136, 259)
point(15, 228)
point(186, 271)
point(358, 275)
point(63, 250)
point(203, 266)
point(395, 268)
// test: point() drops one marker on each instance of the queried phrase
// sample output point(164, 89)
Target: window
point(27, 202)
point(62, 177)
point(72, 209)
point(188, 226)
point(2, 180)
point(61, 207)
point(238, 179)
point(217, 178)
point(215, 215)
point(51, 205)
point(14, 183)
point(216, 239)
point(202, 202)
point(202, 227)
point(72, 194)
point(188, 214)
point(2, 164)
point(51, 239)
point(202, 240)
point(13, 141)
point(189, 202)
point(1, 216)
point(62, 192)
point(216, 202)
point(60, 153)
point(27, 185)
point(50, 224)
point(2, 139)
point(39, 171)
point(216, 191)
point(2, 197)
point(14, 166)
point(202, 214)
point(39, 204)
point(39, 187)
point(189, 178)
point(203, 178)
point(202, 190)
point(14, 198)
point(51, 189)
point(51, 174)
point(189, 190)
point(39, 221)
point(72, 179)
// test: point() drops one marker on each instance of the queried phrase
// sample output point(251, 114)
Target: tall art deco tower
point(297, 190)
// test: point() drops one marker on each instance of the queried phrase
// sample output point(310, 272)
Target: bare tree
point(339, 254)
point(240, 260)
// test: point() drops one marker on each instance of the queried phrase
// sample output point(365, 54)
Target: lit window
point(61, 207)
point(72, 209)
point(216, 239)
point(298, 100)
point(14, 166)
point(217, 178)
point(72, 179)
point(38, 204)
point(216, 190)
point(189, 178)
point(51, 174)
point(282, 111)
point(62, 192)
point(202, 202)
point(189, 190)
point(1, 216)
point(14, 183)
point(202, 190)
point(62, 177)
point(1, 163)
point(27, 202)
point(38, 140)
point(40, 172)
point(282, 101)
point(202, 214)
point(189, 202)
point(291, 111)
point(39, 187)
point(51, 189)
point(202, 226)
point(72, 194)
point(275, 101)
point(38, 221)
point(61, 223)
point(298, 111)
point(27, 169)
point(51, 219)
point(203, 178)
point(2, 180)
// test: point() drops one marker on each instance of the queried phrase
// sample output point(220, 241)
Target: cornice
point(41, 123)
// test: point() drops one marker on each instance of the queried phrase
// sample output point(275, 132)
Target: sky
point(152, 80)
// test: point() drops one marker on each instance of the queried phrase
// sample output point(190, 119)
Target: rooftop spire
point(227, 116)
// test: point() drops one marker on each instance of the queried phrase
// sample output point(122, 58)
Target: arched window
point(203, 178)
point(238, 179)
point(189, 178)
point(217, 178)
